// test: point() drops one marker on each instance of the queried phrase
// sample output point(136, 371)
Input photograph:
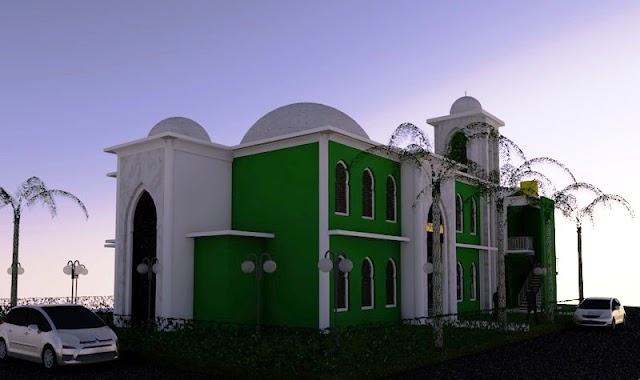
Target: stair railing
point(522, 294)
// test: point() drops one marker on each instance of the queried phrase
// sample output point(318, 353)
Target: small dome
point(465, 104)
point(180, 126)
point(300, 117)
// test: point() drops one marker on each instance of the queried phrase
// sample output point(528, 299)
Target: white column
point(324, 300)
point(164, 278)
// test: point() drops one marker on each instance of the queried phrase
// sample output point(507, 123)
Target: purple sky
point(77, 76)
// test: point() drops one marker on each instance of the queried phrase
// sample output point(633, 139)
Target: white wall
point(201, 202)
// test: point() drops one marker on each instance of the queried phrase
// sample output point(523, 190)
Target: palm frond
point(48, 195)
point(6, 198)
point(408, 135)
point(529, 164)
point(606, 200)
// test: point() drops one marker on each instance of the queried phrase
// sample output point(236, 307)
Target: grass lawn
point(374, 350)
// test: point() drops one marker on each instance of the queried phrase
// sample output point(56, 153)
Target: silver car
point(600, 311)
point(56, 335)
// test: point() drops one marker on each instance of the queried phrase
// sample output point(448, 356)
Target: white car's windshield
point(595, 304)
point(72, 317)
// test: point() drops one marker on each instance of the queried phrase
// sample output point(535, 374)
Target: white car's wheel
point(613, 324)
point(48, 358)
point(3, 349)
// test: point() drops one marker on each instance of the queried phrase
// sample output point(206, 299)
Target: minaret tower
point(464, 111)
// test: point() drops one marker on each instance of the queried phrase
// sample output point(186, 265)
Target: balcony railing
point(520, 244)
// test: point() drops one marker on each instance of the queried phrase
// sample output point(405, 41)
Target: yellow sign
point(529, 188)
point(430, 228)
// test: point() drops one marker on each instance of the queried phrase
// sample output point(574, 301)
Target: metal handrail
point(522, 293)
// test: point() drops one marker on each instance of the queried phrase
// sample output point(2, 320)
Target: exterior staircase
point(533, 284)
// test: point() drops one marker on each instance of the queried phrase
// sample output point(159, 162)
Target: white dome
point(465, 104)
point(180, 126)
point(300, 117)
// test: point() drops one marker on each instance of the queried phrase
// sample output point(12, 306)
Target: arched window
point(391, 199)
point(459, 213)
point(342, 189)
point(343, 287)
point(367, 284)
point(457, 149)
point(459, 281)
point(367, 194)
point(474, 282)
point(473, 218)
point(391, 283)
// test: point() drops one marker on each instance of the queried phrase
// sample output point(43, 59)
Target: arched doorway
point(143, 300)
point(430, 255)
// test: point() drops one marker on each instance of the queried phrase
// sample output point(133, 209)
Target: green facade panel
point(221, 291)
point(531, 221)
point(277, 192)
point(381, 168)
point(379, 252)
point(469, 258)
point(469, 194)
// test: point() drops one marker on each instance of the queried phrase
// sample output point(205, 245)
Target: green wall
point(277, 192)
point(381, 168)
point(466, 257)
point(378, 251)
point(530, 221)
point(468, 192)
point(222, 292)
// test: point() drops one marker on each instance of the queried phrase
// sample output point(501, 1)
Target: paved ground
point(578, 353)
point(125, 368)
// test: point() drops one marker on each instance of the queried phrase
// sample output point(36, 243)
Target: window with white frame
point(474, 282)
point(459, 213)
point(367, 194)
point(473, 220)
point(459, 282)
point(391, 199)
point(391, 283)
point(367, 284)
point(342, 189)
point(343, 287)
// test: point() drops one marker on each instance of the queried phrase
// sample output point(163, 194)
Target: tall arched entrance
point(143, 287)
point(430, 255)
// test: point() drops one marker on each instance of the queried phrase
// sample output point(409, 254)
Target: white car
point(56, 335)
point(600, 311)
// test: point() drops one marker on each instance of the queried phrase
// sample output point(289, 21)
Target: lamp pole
point(149, 267)
point(74, 269)
point(344, 265)
point(259, 264)
point(19, 269)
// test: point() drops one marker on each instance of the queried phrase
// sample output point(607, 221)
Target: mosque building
point(236, 233)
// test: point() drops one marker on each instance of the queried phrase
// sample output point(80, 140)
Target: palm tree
point(32, 191)
point(408, 143)
point(567, 202)
point(502, 183)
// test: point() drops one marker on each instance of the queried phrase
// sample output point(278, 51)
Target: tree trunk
point(580, 289)
point(437, 272)
point(502, 284)
point(551, 302)
point(14, 262)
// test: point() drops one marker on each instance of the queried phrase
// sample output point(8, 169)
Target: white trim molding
point(475, 246)
point(368, 235)
point(231, 233)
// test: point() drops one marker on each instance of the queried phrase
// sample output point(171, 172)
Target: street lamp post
point(19, 269)
point(149, 267)
point(74, 269)
point(259, 265)
point(344, 265)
